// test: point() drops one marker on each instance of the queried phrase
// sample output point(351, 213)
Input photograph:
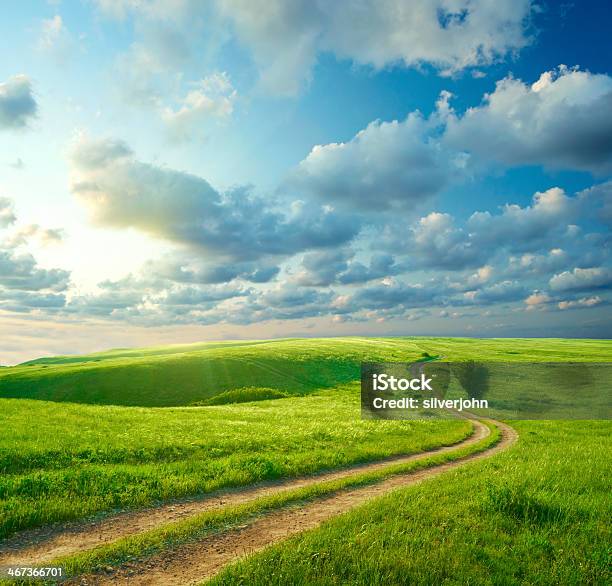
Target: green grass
point(86, 436)
point(198, 526)
point(538, 513)
point(245, 395)
point(183, 375)
point(66, 461)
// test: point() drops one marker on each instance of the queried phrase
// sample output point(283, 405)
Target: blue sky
point(173, 170)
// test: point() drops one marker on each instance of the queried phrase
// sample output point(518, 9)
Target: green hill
point(186, 374)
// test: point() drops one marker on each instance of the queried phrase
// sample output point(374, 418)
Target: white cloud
point(24, 234)
point(505, 291)
point(434, 241)
point(20, 271)
point(236, 226)
point(323, 268)
point(386, 165)
point(597, 202)
point(537, 299)
point(212, 97)
point(536, 232)
point(24, 284)
point(537, 264)
point(7, 212)
point(17, 104)
point(518, 226)
point(287, 37)
point(582, 279)
point(582, 302)
point(563, 120)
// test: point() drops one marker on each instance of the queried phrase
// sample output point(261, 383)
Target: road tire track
point(194, 562)
point(40, 546)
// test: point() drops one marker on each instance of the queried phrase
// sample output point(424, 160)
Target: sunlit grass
point(66, 461)
point(536, 514)
point(183, 375)
point(177, 533)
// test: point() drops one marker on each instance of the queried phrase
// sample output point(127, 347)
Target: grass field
point(183, 375)
point(85, 436)
point(537, 514)
point(174, 534)
point(82, 459)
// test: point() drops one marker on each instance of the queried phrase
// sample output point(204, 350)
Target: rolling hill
point(187, 374)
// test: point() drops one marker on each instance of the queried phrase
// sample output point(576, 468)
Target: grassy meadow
point(536, 514)
point(188, 374)
point(77, 460)
point(83, 436)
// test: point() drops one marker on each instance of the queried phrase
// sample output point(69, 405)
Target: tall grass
point(65, 461)
point(536, 514)
point(171, 535)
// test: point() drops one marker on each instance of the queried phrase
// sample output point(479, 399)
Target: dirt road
point(196, 561)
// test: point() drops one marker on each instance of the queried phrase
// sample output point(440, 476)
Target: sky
point(183, 170)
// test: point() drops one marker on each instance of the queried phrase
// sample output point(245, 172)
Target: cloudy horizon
point(175, 171)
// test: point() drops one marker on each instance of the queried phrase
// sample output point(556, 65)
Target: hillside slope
point(185, 374)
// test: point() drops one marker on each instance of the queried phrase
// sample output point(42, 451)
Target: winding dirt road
point(194, 562)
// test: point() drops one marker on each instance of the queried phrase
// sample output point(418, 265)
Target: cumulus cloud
point(7, 212)
point(25, 234)
point(26, 301)
point(24, 284)
point(539, 264)
point(380, 266)
point(518, 226)
point(286, 38)
point(148, 299)
point(537, 231)
point(435, 242)
point(236, 305)
point(537, 299)
point(17, 104)
point(387, 165)
point(235, 226)
point(391, 294)
point(582, 302)
point(324, 268)
point(286, 301)
point(18, 268)
point(185, 268)
point(212, 97)
point(597, 202)
point(20, 271)
point(202, 296)
point(582, 279)
point(563, 120)
point(503, 292)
